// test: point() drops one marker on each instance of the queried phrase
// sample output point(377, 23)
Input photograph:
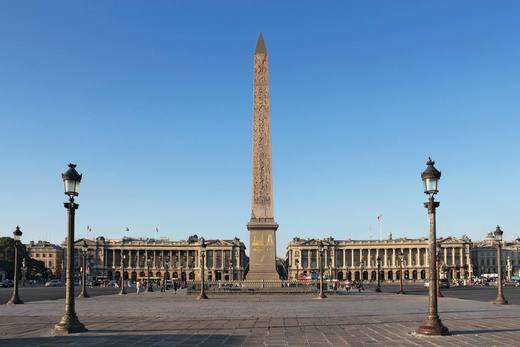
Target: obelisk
point(262, 227)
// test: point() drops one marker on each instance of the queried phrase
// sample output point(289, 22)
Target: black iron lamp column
point(321, 294)
point(148, 283)
point(123, 258)
point(432, 325)
point(401, 259)
point(70, 323)
point(166, 267)
point(84, 251)
point(500, 300)
point(378, 289)
point(297, 262)
point(202, 295)
point(439, 270)
point(24, 272)
point(15, 299)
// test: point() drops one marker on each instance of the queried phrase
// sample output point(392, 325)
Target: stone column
point(369, 258)
point(446, 255)
point(453, 256)
point(352, 257)
point(386, 259)
point(114, 258)
point(393, 258)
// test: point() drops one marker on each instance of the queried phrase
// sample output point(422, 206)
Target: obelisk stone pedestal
point(262, 227)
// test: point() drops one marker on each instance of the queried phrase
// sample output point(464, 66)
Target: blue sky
point(153, 101)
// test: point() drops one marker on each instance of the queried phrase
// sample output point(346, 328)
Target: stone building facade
point(50, 254)
point(356, 259)
point(225, 259)
point(484, 257)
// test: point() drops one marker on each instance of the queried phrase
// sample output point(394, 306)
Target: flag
point(380, 218)
point(127, 229)
point(156, 229)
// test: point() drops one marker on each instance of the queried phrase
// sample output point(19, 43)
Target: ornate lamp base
point(401, 292)
point(321, 296)
point(378, 290)
point(15, 300)
point(433, 326)
point(69, 324)
point(202, 297)
point(83, 295)
point(500, 301)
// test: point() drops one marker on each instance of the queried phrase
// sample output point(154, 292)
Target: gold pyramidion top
point(260, 45)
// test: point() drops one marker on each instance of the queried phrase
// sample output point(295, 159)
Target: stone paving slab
point(164, 319)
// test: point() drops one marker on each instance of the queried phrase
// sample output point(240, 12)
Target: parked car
point(443, 283)
point(54, 283)
point(113, 283)
point(6, 283)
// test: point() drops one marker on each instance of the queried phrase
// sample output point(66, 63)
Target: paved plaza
point(165, 319)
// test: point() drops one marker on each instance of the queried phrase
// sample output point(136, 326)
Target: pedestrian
point(138, 286)
point(175, 286)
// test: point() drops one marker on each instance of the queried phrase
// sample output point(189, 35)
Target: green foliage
point(7, 259)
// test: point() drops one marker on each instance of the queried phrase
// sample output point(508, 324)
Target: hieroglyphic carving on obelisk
point(262, 195)
point(262, 227)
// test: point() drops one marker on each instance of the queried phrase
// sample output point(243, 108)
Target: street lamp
point(123, 258)
point(362, 277)
point(70, 323)
point(401, 259)
point(166, 267)
point(84, 250)
point(329, 263)
point(321, 295)
point(15, 299)
point(202, 295)
point(148, 284)
point(432, 325)
point(297, 262)
point(439, 270)
point(500, 300)
point(378, 289)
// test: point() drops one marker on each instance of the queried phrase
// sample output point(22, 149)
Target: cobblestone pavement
point(165, 319)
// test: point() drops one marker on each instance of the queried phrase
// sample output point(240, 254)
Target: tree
point(7, 259)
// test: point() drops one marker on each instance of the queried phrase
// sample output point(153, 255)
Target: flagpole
point(381, 230)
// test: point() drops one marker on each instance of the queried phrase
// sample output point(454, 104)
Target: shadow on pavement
point(118, 340)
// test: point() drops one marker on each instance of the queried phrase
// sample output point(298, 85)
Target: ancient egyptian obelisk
point(262, 227)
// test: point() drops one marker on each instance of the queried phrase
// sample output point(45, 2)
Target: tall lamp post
point(202, 295)
point(401, 259)
point(432, 325)
point(123, 258)
point(297, 262)
point(24, 272)
point(166, 267)
point(321, 294)
point(15, 299)
point(439, 270)
point(70, 323)
point(500, 300)
point(84, 251)
point(378, 289)
point(148, 284)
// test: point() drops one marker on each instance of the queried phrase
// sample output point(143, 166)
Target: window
point(50, 255)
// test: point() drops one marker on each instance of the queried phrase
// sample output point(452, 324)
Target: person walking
point(138, 286)
point(175, 286)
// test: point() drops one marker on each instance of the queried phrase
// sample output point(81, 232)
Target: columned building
point(225, 259)
point(484, 256)
point(51, 255)
point(356, 259)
